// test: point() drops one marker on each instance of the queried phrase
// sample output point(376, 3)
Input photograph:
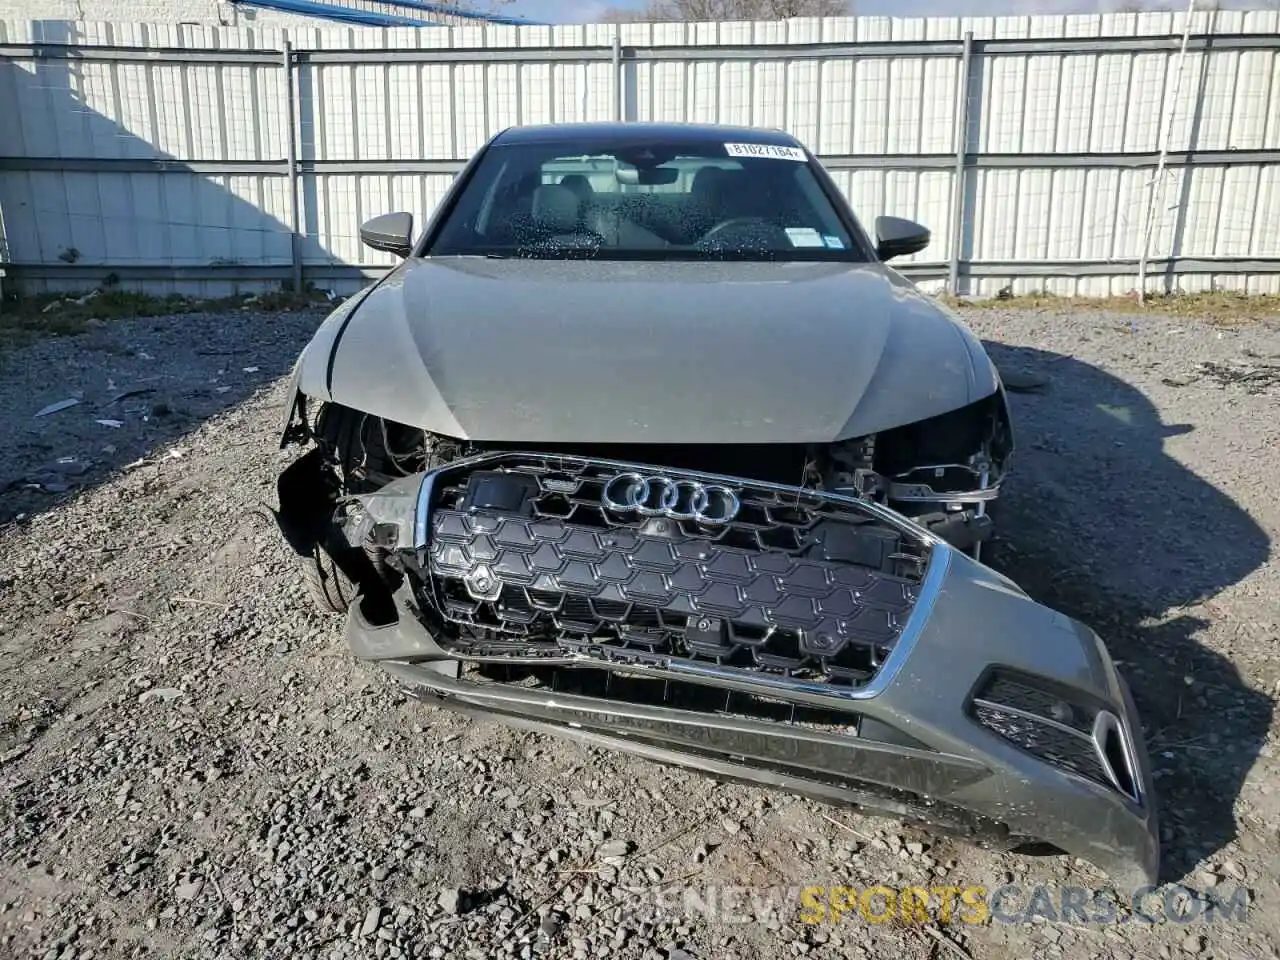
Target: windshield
point(656, 201)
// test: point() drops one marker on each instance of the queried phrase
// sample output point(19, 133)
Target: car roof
point(640, 132)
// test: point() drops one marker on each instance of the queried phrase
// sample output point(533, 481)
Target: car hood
point(536, 351)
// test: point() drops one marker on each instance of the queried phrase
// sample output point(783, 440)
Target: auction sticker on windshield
point(804, 237)
point(767, 150)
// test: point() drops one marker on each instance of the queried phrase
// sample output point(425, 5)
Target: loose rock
point(308, 784)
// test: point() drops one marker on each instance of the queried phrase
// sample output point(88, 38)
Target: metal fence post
point(4, 258)
point(1156, 183)
point(291, 158)
point(958, 211)
point(618, 80)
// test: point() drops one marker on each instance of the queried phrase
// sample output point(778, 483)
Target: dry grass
point(1219, 307)
point(26, 318)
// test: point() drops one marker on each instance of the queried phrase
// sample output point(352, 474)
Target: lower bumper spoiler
point(972, 786)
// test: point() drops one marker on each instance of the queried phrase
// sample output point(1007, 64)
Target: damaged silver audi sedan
point(643, 443)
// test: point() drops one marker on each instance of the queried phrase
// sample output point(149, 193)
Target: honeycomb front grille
point(797, 585)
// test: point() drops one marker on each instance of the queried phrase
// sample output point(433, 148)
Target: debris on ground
point(57, 407)
point(136, 392)
point(1257, 376)
point(1023, 381)
point(192, 765)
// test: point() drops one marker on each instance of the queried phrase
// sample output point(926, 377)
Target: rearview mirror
point(647, 176)
point(896, 237)
point(391, 232)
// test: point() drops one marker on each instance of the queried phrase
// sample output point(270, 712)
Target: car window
point(678, 201)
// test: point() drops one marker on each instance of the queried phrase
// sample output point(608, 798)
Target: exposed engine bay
point(943, 473)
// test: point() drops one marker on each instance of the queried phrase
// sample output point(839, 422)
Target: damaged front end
point(812, 640)
point(944, 472)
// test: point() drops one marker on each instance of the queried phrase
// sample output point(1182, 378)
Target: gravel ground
point(191, 764)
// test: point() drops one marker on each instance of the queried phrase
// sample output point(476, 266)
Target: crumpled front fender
point(310, 377)
point(293, 397)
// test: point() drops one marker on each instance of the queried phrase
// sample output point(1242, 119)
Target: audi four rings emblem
point(665, 497)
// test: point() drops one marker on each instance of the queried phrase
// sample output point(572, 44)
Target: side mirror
point(896, 237)
point(391, 232)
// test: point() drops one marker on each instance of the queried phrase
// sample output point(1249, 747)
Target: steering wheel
point(724, 225)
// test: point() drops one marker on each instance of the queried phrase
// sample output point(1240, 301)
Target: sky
point(588, 11)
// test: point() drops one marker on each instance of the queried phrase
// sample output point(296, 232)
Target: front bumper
point(913, 739)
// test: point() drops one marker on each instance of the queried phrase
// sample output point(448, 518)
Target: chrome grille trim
point(937, 562)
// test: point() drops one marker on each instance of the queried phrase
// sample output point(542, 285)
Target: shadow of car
point(1100, 522)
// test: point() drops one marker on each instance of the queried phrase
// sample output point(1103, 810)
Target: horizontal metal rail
point(1070, 269)
point(1027, 161)
point(902, 161)
point(796, 51)
point(143, 165)
point(1066, 269)
point(226, 167)
point(1171, 43)
point(642, 53)
point(116, 54)
point(531, 55)
point(948, 48)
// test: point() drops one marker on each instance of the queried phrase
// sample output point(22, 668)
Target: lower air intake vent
point(1052, 744)
point(1086, 740)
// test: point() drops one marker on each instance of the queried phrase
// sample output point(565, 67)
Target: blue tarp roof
point(364, 18)
point(445, 9)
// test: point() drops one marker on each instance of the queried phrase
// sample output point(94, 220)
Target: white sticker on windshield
point(769, 151)
point(804, 237)
point(833, 243)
